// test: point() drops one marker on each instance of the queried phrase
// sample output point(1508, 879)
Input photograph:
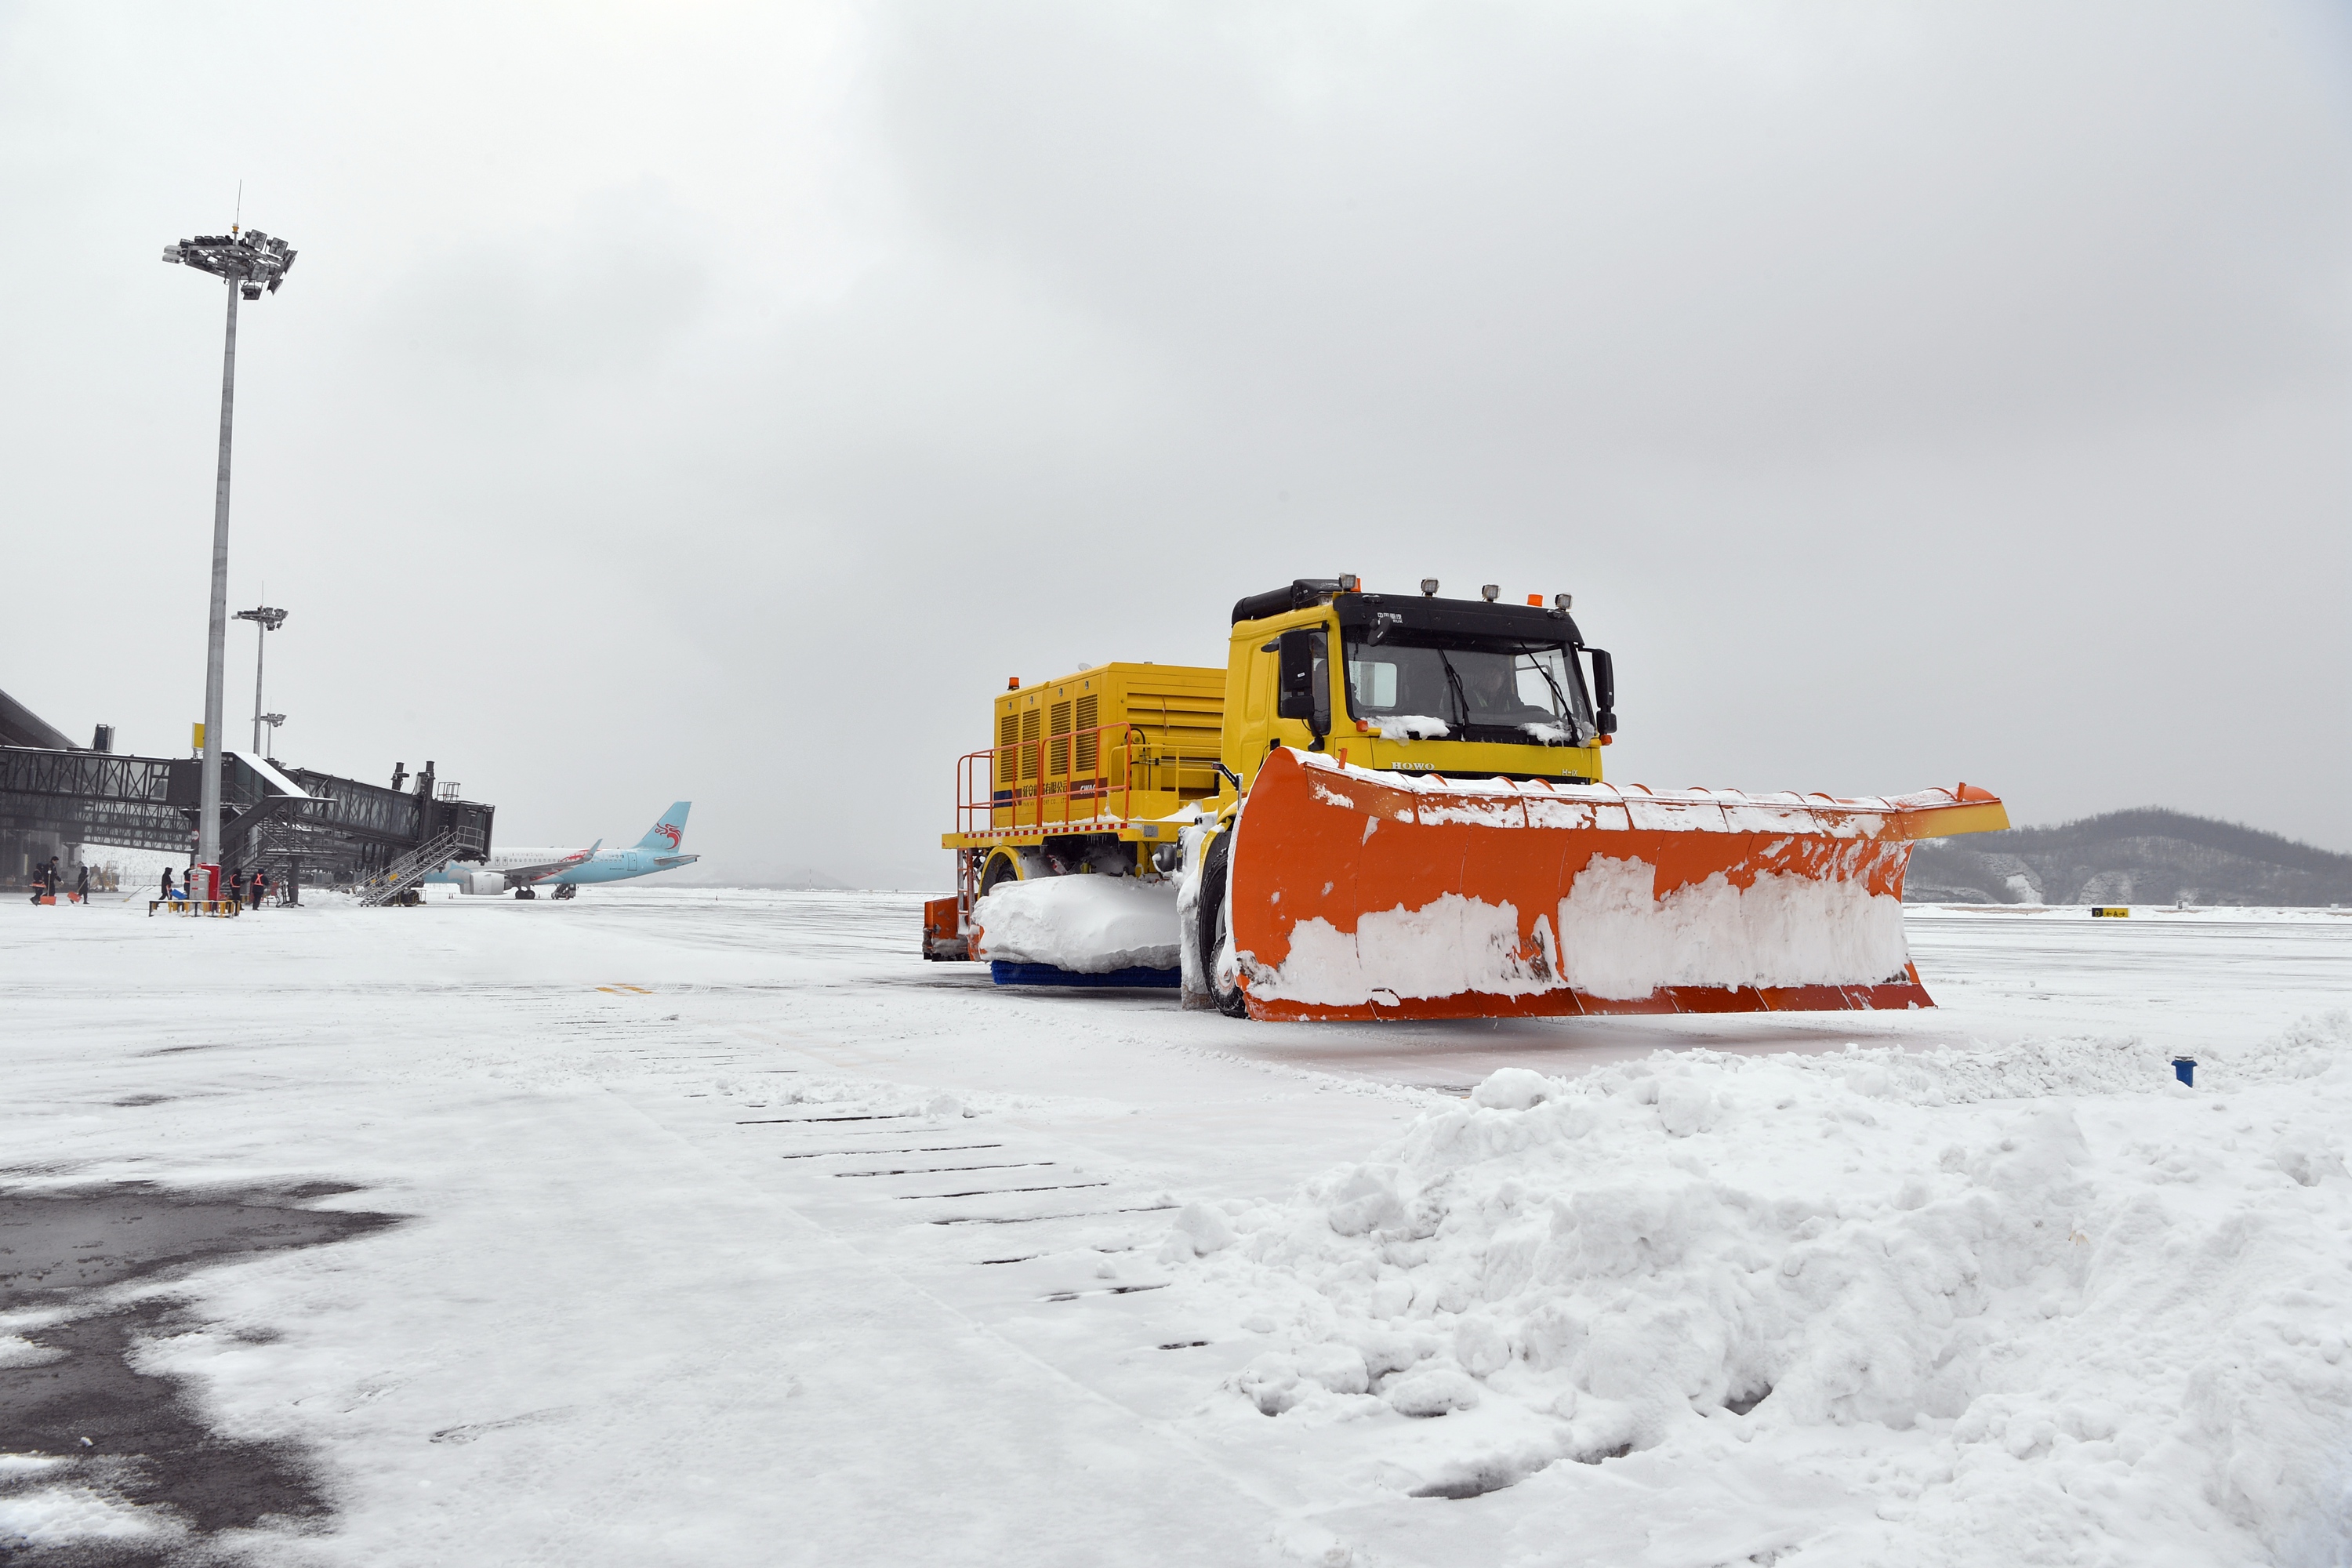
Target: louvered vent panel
point(1029, 723)
point(1008, 762)
point(1058, 763)
point(1089, 743)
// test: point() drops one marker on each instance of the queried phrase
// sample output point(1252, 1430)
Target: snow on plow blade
point(1379, 895)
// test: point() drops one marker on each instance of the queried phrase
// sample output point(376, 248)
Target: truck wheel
point(1230, 1000)
point(1001, 869)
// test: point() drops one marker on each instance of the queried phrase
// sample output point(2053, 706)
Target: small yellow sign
point(2115, 909)
point(200, 735)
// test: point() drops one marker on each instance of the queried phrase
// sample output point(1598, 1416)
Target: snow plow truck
point(1394, 806)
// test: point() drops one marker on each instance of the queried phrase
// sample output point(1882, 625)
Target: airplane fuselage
point(523, 869)
point(603, 866)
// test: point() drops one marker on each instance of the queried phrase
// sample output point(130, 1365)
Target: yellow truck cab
point(1468, 689)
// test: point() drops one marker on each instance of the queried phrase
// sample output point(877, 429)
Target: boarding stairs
point(410, 870)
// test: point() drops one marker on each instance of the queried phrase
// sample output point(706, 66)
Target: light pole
point(266, 620)
point(249, 264)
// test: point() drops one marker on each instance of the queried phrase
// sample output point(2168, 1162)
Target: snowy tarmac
point(725, 1230)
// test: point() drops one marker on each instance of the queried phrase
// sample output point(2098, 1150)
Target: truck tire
point(1211, 925)
point(999, 869)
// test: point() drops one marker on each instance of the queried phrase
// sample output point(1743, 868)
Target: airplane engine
point(485, 882)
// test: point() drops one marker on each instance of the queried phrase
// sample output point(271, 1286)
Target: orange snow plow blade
point(1377, 894)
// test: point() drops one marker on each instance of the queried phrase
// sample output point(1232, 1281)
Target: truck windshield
point(1484, 689)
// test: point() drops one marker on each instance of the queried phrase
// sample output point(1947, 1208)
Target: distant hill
point(2147, 856)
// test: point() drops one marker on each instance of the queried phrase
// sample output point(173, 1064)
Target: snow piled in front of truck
point(1444, 949)
point(1612, 937)
point(1618, 940)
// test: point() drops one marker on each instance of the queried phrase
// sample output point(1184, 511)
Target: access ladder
point(411, 870)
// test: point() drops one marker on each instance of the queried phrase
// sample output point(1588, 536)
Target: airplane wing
point(524, 875)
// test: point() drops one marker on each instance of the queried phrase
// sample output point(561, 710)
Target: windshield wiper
point(1567, 711)
point(1454, 683)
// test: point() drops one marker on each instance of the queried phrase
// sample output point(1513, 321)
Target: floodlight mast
point(248, 263)
point(266, 620)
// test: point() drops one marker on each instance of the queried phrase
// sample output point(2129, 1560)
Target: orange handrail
point(1032, 794)
point(1031, 781)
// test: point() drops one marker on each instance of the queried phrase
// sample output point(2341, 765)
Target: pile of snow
point(1618, 938)
point(1448, 947)
point(1414, 727)
point(1091, 925)
point(2074, 1300)
point(66, 1514)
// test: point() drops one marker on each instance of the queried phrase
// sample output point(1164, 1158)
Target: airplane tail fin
point(669, 831)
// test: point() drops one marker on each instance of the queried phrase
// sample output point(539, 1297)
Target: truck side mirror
point(1302, 691)
point(1604, 692)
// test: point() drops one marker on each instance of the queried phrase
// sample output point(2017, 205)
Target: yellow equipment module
point(1085, 770)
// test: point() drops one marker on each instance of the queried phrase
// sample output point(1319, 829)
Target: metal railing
point(1073, 781)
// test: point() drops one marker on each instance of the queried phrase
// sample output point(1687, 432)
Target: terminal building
point(301, 826)
point(29, 837)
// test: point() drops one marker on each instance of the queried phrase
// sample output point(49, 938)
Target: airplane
point(527, 871)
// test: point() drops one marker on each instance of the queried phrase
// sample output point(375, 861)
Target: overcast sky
point(718, 402)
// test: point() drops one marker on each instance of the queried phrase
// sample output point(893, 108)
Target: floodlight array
point(253, 260)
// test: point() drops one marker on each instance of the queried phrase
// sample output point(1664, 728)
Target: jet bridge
point(300, 825)
point(334, 828)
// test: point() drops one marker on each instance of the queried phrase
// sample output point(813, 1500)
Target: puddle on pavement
point(136, 1439)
